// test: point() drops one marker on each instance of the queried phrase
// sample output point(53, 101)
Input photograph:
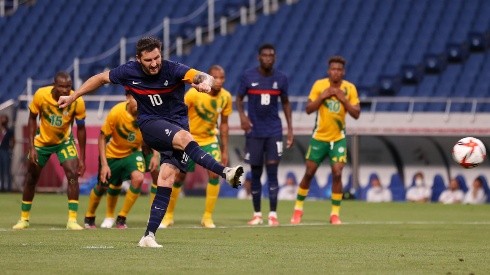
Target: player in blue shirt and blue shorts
point(264, 86)
point(159, 86)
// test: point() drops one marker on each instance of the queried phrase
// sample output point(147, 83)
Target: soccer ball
point(469, 152)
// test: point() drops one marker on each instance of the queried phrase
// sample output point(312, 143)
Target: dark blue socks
point(273, 185)
point(256, 187)
point(204, 159)
point(158, 209)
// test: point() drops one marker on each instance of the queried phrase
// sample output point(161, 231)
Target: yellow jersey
point(204, 111)
point(121, 132)
point(54, 123)
point(330, 118)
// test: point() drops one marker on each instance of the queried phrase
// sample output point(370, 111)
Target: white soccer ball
point(469, 152)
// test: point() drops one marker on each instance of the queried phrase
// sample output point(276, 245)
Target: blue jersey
point(263, 94)
point(159, 96)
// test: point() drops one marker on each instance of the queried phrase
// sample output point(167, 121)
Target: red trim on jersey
point(151, 91)
point(259, 92)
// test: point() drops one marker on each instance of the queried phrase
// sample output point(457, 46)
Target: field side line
point(282, 225)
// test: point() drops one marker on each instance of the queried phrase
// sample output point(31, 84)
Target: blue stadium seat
point(437, 187)
point(397, 188)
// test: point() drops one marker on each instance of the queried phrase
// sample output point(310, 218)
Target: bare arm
point(286, 106)
point(93, 83)
point(105, 171)
point(244, 121)
point(32, 128)
point(82, 141)
point(223, 132)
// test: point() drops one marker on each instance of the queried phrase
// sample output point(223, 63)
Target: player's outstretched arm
point(93, 83)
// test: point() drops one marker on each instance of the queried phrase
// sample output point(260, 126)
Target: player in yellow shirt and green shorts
point(204, 112)
point(120, 159)
point(54, 136)
point(331, 98)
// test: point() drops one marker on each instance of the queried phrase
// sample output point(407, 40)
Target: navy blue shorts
point(257, 148)
point(158, 134)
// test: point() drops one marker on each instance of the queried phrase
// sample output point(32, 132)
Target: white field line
point(282, 225)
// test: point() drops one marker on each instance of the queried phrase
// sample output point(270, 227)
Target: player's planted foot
point(107, 223)
point(21, 224)
point(273, 221)
point(73, 225)
point(233, 175)
point(296, 218)
point(334, 219)
point(149, 241)
point(121, 222)
point(256, 220)
point(90, 223)
point(208, 223)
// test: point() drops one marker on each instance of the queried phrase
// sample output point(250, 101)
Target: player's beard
point(152, 70)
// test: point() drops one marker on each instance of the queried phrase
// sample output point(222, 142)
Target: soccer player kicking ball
point(120, 159)
point(159, 86)
point(54, 136)
point(332, 98)
point(204, 112)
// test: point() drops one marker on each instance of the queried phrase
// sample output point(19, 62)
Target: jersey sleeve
point(242, 88)
point(108, 125)
point(353, 96)
point(228, 108)
point(80, 112)
point(118, 74)
point(36, 103)
point(190, 97)
point(315, 91)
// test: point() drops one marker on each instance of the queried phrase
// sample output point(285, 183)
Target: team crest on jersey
point(274, 85)
point(139, 158)
point(65, 113)
point(166, 83)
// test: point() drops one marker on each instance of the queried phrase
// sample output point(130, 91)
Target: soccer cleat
point(73, 225)
point(334, 219)
point(233, 175)
point(256, 220)
point(208, 223)
point(273, 221)
point(296, 218)
point(149, 241)
point(166, 222)
point(90, 223)
point(21, 224)
point(121, 222)
point(107, 223)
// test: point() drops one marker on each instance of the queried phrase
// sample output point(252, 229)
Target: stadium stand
point(378, 38)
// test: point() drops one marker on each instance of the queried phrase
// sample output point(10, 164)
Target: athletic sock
point(112, 196)
point(300, 198)
point(158, 209)
point(204, 159)
point(25, 210)
point(336, 200)
point(131, 197)
point(271, 170)
point(256, 187)
point(212, 193)
point(93, 202)
point(72, 210)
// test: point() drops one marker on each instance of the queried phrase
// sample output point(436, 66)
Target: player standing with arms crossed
point(158, 87)
point(204, 112)
point(263, 128)
point(331, 98)
point(54, 135)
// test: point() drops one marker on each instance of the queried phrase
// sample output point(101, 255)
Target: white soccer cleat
point(256, 220)
point(234, 175)
point(107, 223)
point(149, 241)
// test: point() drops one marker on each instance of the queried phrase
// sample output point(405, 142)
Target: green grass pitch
point(389, 238)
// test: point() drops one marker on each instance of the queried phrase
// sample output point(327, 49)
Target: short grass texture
point(389, 238)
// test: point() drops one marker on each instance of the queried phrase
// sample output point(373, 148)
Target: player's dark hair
point(148, 44)
point(266, 46)
point(337, 59)
point(215, 67)
point(63, 75)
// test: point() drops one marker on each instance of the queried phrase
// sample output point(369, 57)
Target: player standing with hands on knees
point(158, 87)
point(331, 98)
point(262, 125)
